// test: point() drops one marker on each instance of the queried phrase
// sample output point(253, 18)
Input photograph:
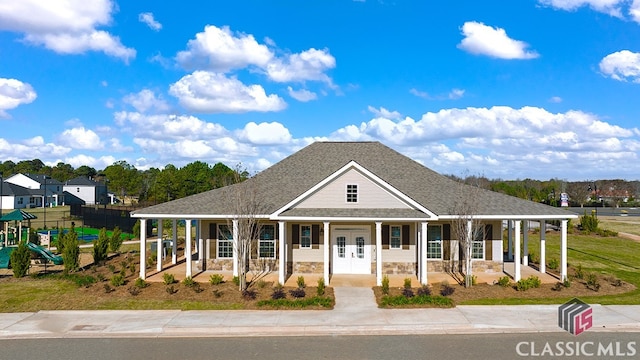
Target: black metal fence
point(99, 216)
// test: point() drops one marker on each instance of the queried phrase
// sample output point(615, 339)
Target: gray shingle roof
point(286, 180)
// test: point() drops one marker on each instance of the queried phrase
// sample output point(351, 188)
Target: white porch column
point(159, 247)
point(543, 245)
point(378, 253)
point(525, 243)
point(424, 241)
point(188, 251)
point(326, 249)
point(516, 246)
point(235, 247)
point(282, 260)
point(563, 252)
point(174, 242)
point(200, 243)
point(509, 240)
point(143, 249)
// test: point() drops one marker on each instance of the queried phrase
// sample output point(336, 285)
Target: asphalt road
point(441, 347)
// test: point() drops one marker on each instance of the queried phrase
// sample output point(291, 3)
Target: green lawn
point(626, 224)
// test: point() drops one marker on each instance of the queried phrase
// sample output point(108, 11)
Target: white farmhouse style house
point(353, 208)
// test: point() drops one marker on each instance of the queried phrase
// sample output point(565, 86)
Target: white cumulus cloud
point(208, 92)
point(81, 138)
point(220, 49)
point(151, 22)
point(384, 113)
point(14, 93)
point(265, 133)
point(67, 27)
point(146, 100)
point(611, 7)
point(307, 65)
point(622, 65)
point(481, 39)
point(302, 95)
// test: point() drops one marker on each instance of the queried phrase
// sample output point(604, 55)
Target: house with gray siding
point(337, 208)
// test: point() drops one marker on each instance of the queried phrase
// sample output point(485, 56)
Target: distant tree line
point(159, 185)
point(581, 193)
point(147, 186)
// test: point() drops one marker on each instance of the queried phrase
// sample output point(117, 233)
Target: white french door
point(351, 251)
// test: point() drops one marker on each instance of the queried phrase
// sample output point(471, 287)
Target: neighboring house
point(354, 208)
point(15, 196)
point(45, 190)
point(83, 189)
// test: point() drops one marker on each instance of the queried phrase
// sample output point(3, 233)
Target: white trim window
point(395, 237)
point(267, 242)
point(225, 242)
point(305, 236)
point(477, 245)
point(434, 242)
point(352, 193)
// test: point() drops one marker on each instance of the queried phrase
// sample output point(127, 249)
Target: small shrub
point(385, 285)
point(100, 277)
point(20, 260)
point(473, 279)
point(298, 293)
point(216, 279)
point(261, 284)
point(112, 268)
point(249, 294)
point(534, 258)
point(504, 281)
point(592, 282)
point(117, 280)
point(132, 268)
point(616, 282)
point(588, 223)
point(188, 282)
point(579, 272)
point(557, 286)
point(528, 283)
point(196, 288)
point(134, 290)
point(278, 293)
point(300, 282)
point(407, 283)
point(553, 264)
point(447, 290)
point(566, 283)
point(140, 283)
point(424, 290)
point(168, 278)
point(171, 290)
point(320, 289)
point(81, 280)
point(236, 281)
point(107, 288)
point(217, 293)
point(408, 292)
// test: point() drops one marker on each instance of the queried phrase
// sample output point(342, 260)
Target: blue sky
point(506, 89)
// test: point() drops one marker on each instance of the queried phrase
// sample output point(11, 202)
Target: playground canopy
point(19, 216)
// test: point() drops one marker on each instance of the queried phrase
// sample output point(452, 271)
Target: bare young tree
point(247, 211)
point(465, 227)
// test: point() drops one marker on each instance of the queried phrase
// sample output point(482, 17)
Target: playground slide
point(55, 259)
point(5, 254)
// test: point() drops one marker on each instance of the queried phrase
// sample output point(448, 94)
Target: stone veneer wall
point(227, 265)
point(308, 267)
point(393, 268)
point(477, 265)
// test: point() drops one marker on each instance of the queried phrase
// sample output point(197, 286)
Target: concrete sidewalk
point(355, 313)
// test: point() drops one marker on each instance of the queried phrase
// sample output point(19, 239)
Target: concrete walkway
point(355, 313)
